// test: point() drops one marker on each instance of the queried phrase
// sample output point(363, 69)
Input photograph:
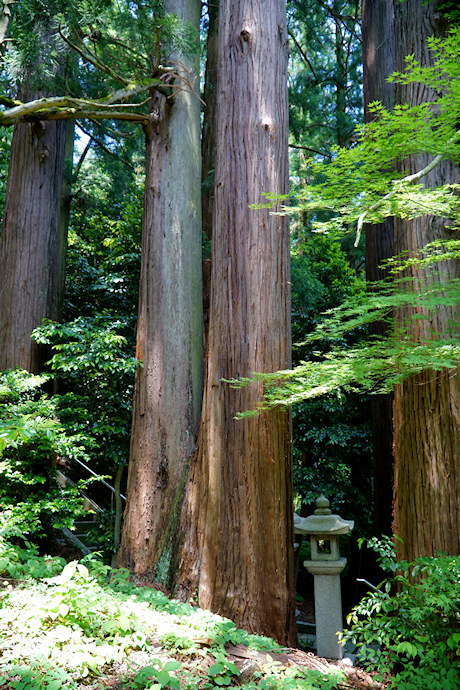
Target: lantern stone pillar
point(326, 564)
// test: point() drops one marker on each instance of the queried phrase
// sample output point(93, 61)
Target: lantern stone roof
point(322, 522)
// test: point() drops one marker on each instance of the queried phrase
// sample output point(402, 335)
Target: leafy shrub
point(93, 360)
point(275, 676)
point(44, 678)
point(90, 615)
point(20, 563)
point(32, 441)
point(417, 629)
point(79, 601)
point(156, 676)
point(90, 625)
point(221, 673)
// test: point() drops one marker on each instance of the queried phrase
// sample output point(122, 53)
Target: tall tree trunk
point(208, 155)
point(378, 63)
point(239, 547)
point(66, 200)
point(168, 387)
point(32, 241)
point(426, 407)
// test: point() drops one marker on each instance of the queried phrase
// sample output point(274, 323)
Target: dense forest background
point(110, 145)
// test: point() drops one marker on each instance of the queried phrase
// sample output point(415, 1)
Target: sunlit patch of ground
point(91, 628)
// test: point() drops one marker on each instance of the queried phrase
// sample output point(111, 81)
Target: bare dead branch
point(307, 148)
point(102, 146)
point(304, 56)
point(87, 55)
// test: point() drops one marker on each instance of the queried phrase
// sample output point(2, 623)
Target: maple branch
point(415, 177)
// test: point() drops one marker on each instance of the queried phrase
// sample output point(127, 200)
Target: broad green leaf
point(124, 623)
point(109, 626)
point(54, 685)
point(215, 669)
point(163, 678)
point(63, 609)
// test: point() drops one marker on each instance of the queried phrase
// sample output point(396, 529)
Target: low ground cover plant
point(412, 620)
point(74, 625)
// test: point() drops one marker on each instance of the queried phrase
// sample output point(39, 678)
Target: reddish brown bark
point(427, 468)
point(168, 387)
point(426, 407)
point(239, 547)
point(32, 242)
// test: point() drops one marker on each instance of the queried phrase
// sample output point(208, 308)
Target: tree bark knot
point(245, 37)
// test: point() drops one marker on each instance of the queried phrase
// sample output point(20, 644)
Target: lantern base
point(326, 567)
point(328, 606)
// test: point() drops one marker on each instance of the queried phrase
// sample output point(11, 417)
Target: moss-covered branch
point(114, 106)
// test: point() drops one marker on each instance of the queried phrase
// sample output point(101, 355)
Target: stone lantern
point(326, 565)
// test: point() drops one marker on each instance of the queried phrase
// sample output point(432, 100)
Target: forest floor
point(88, 627)
point(247, 661)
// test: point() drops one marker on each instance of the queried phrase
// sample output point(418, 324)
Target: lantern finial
point(322, 506)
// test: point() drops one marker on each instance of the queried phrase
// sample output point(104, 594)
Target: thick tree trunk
point(168, 388)
point(32, 242)
point(426, 407)
point(239, 547)
point(378, 63)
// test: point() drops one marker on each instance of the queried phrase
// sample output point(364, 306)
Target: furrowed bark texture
point(32, 242)
point(426, 407)
point(168, 387)
point(239, 548)
point(378, 63)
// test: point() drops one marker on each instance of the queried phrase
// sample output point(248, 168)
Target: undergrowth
point(409, 627)
point(74, 625)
